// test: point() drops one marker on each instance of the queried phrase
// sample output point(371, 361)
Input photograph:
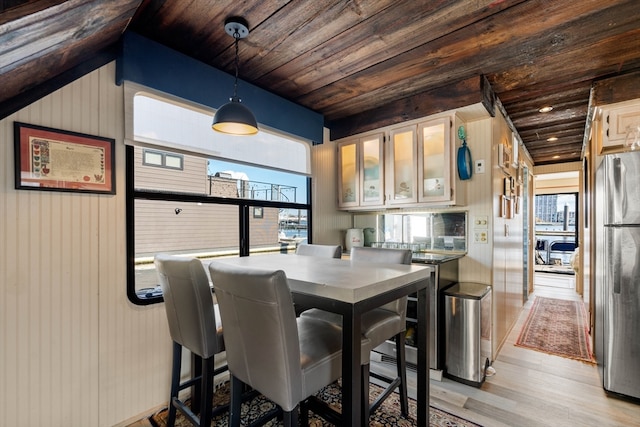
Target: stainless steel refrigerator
point(617, 287)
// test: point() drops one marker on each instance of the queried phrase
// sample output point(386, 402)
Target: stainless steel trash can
point(467, 332)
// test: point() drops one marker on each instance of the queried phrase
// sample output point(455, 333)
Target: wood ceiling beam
point(466, 92)
point(617, 89)
point(29, 95)
point(43, 46)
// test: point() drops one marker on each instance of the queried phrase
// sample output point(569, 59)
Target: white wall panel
point(476, 266)
point(75, 351)
point(328, 223)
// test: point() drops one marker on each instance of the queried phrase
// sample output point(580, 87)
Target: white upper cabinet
point(348, 175)
point(621, 124)
point(413, 168)
point(372, 177)
point(361, 172)
point(435, 161)
point(402, 176)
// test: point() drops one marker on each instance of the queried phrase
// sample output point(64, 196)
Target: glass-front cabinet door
point(361, 172)
point(372, 170)
point(348, 180)
point(434, 161)
point(402, 179)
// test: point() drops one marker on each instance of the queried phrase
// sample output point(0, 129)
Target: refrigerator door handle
point(616, 258)
point(617, 187)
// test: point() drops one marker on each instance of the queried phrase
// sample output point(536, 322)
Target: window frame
point(163, 155)
point(244, 212)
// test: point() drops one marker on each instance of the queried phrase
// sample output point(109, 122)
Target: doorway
point(556, 229)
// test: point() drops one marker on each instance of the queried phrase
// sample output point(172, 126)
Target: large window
point(556, 228)
point(210, 206)
point(162, 159)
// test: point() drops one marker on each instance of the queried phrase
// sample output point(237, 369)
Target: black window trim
point(244, 206)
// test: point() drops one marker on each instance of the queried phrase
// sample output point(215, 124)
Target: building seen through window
point(186, 202)
point(555, 227)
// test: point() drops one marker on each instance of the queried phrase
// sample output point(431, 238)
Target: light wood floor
point(533, 389)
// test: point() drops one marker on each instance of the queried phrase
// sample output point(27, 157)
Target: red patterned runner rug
point(557, 327)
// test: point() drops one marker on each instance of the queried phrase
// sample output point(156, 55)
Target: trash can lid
point(468, 290)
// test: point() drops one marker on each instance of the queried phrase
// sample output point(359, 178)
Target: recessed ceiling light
point(556, 156)
point(546, 109)
point(552, 138)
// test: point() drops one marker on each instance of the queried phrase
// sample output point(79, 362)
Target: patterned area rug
point(387, 415)
point(557, 327)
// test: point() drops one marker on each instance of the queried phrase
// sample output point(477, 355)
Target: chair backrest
point(189, 304)
point(386, 255)
point(261, 333)
point(389, 256)
point(325, 251)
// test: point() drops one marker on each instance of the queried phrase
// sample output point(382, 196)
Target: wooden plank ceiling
point(362, 64)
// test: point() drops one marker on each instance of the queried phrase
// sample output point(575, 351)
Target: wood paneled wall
point(74, 351)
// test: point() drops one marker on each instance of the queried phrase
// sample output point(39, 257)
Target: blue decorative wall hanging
point(465, 164)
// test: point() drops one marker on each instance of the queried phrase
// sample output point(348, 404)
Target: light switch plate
point(479, 166)
point(481, 222)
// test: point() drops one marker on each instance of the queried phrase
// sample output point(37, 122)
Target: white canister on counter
point(354, 237)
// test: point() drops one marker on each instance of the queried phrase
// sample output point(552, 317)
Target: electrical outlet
point(480, 237)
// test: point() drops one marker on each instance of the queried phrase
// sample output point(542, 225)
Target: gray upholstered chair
point(325, 251)
point(378, 325)
point(195, 325)
point(285, 358)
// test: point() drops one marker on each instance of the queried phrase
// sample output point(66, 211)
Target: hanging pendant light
point(233, 117)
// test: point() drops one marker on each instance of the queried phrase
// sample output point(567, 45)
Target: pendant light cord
point(236, 37)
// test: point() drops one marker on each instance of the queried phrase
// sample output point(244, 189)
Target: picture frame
point(57, 160)
point(504, 158)
point(510, 208)
point(509, 186)
point(520, 172)
point(258, 212)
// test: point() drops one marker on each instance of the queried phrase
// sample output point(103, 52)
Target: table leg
point(423, 358)
point(351, 374)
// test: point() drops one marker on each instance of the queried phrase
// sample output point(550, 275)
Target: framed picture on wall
point(58, 160)
point(509, 187)
point(504, 158)
point(520, 172)
point(503, 206)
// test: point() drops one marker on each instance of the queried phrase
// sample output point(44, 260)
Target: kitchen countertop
point(434, 258)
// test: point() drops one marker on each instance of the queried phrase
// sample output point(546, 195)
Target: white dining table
point(350, 289)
